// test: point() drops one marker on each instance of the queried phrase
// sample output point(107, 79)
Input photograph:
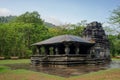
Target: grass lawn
point(115, 59)
point(110, 74)
point(14, 61)
point(20, 74)
point(7, 74)
point(24, 61)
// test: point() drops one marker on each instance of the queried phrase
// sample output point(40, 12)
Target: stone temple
point(94, 33)
point(93, 48)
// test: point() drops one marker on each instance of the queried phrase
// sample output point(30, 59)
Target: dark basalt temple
point(93, 47)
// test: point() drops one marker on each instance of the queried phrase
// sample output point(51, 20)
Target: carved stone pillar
point(51, 50)
point(39, 48)
point(56, 51)
point(38, 51)
point(77, 50)
point(67, 49)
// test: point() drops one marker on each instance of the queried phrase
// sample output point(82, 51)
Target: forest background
point(17, 33)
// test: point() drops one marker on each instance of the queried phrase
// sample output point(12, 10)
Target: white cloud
point(53, 20)
point(4, 12)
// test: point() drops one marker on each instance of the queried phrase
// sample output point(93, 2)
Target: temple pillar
point(47, 51)
point(56, 51)
point(51, 52)
point(67, 49)
point(77, 49)
point(38, 50)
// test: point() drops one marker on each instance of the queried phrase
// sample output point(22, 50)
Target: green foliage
point(114, 45)
point(17, 33)
point(72, 29)
point(115, 19)
point(6, 19)
point(30, 17)
point(77, 29)
point(115, 39)
point(17, 36)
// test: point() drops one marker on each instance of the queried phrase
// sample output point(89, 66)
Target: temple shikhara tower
point(94, 33)
point(93, 48)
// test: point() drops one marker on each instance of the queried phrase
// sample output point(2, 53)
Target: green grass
point(110, 74)
point(21, 74)
point(115, 59)
point(4, 69)
point(14, 61)
point(23, 61)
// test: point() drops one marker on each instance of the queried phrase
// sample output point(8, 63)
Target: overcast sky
point(62, 11)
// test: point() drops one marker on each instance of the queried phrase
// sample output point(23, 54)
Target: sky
point(62, 11)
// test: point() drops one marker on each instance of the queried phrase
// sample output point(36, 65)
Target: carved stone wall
point(94, 33)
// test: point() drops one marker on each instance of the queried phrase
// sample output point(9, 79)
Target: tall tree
point(33, 26)
point(30, 17)
point(115, 18)
point(115, 39)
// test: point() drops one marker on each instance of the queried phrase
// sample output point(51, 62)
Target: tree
point(3, 41)
point(6, 19)
point(115, 19)
point(115, 39)
point(77, 29)
point(17, 35)
point(72, 29)
point(30, 17)
point(33, 27)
